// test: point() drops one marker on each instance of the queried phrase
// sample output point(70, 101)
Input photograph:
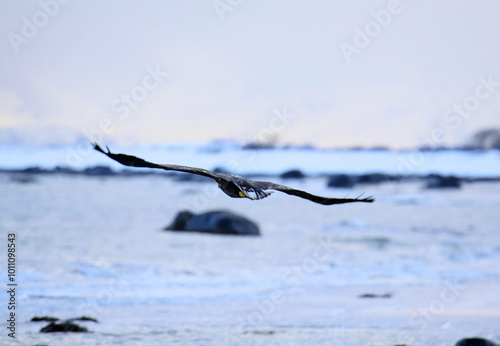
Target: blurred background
point(365, 73)
point(395, 99)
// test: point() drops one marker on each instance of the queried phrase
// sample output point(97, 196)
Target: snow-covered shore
point(269, 161)
point(95, 246)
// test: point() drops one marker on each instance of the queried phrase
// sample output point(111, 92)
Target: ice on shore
point(271, 161)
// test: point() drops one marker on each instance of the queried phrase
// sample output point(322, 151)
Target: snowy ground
point(94, 246)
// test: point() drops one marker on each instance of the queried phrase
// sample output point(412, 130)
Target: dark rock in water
point(475, 342)
point(292, 174)
point(84, 318)
point(222, 222)
point(436, 181)
point(137, 173)
point(22, 178)
point(181, 220)
point(63, 327)
point(256, 146)
point(98, 171)
point(191, 177)
point(33, 170)
point(64, 170)
point(373, 295)
point(44, 318)
point(374, 178)
point(340, 180)
point(221, 170)
point(217, 222)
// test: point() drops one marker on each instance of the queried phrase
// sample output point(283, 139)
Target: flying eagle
point(232, 185)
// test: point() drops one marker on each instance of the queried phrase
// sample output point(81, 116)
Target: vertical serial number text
point(11, 284)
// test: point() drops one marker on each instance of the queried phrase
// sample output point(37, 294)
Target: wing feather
point(133, 161)
point(249, 190)
point(265, 185)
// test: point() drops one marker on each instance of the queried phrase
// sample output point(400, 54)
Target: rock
point(292, 174)
point(64, 170)
point(23, 178)
point(217, 222)
point(221, 170)
point(436, 181)
point(33, 170)
point(340, 180)
point(98, 171)
point(181, 220)
point(256, 146)
point(137, 173)
point(63, 327)
point(188, 177)
point(374, 295)
point(374, 178)
point(84, 318)
point(44, 318)
point(475, 342)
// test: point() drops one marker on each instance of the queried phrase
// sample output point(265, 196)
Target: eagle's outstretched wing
point(232, 185)
point(133, 161)
point(266, 185)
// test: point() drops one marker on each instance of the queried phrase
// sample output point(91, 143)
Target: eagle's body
point(232, 185)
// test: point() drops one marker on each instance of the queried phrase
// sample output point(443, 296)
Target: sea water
point(95, 246)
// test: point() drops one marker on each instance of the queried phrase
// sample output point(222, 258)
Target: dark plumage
point(232, 185)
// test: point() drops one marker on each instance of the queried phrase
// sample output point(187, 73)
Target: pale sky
point(326, 73)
